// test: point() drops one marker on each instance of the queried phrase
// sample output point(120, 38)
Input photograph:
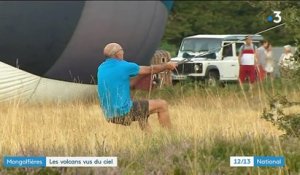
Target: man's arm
point(240, 54)
point(144, 70)
point(239, 57)
point(256, 58)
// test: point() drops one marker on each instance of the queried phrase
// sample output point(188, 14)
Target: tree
point(290, 11)
point(228, 17)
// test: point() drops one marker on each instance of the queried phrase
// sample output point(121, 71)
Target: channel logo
point(276, 17)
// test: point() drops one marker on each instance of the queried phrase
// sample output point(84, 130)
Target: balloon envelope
point(63, 40)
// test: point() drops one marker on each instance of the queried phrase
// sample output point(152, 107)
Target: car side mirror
point(186, 55)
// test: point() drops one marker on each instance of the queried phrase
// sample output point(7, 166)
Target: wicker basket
point(158, 80)
point(163, 78)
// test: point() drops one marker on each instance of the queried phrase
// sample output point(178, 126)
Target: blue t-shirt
point(114, 86)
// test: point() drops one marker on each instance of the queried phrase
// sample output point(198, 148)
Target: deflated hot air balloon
point(46, 46)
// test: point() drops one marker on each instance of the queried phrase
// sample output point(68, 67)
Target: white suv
point(213, 58)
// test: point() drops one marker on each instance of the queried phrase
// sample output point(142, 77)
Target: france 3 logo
point(276, 17)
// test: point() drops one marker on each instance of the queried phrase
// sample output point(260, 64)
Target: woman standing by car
point(269, 67)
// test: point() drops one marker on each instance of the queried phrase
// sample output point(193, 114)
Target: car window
point(256, 44)
point(201, 45)
point(227, 50)
point(238, 47)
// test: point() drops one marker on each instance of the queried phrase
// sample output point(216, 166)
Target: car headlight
point(196, 68)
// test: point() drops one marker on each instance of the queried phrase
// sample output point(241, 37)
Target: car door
point(230, 66)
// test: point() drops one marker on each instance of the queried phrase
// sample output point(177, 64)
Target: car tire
point(212, 79)
point(174, 82)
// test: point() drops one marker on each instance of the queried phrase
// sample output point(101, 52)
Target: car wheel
point(212, 79)
point(174, 82)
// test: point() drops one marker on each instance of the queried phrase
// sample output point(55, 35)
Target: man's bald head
point(113, 50)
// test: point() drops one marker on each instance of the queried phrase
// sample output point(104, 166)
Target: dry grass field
point(209, 126)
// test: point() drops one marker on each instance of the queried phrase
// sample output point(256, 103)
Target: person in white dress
point(269, 66)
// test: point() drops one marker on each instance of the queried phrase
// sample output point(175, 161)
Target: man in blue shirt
point(115, 76)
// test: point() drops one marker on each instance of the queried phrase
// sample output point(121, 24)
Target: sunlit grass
point(207, 125)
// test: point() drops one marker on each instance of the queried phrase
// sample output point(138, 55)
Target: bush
point(290, 123)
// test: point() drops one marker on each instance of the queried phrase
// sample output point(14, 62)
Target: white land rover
point(213, 58)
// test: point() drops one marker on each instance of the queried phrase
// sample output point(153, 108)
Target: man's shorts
point(138, 112)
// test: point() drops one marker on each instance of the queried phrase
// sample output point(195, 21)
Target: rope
point(151, 82)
